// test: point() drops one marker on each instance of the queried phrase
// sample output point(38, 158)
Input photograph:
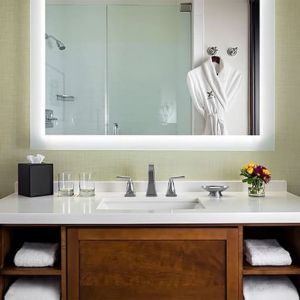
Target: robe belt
point(217, 124)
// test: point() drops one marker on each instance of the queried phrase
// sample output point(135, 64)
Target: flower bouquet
point(256, 176)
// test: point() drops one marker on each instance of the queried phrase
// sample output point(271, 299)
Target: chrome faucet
point(171, 192)
point(151, 189)
point(129, 186)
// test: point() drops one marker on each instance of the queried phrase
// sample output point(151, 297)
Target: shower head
point(60, 44)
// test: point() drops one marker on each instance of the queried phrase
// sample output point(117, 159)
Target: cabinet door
point(153, 263)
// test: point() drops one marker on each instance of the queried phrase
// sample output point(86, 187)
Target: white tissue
point(35, 159)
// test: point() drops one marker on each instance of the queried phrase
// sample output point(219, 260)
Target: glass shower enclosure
point(117, 69)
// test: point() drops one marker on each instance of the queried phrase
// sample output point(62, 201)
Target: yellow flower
point(266, 172)
point(245, 167)
point(248, 165)
point(250, 170)
point(251, 164)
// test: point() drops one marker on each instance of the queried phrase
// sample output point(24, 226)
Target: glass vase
point(256, 189)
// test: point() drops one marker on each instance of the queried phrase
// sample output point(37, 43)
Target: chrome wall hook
point(232, 51)
point(212, 50)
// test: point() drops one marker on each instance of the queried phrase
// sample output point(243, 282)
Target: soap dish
point(215, 190)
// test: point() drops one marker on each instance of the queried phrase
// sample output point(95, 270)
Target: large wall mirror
point(144, 74)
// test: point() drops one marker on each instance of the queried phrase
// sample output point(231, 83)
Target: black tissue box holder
point(35, 179)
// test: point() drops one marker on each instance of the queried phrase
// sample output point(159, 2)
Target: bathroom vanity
point(184, 252)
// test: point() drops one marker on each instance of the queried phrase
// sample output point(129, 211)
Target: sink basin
point(151, 205)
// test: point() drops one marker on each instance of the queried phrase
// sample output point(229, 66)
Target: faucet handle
point(177, 177)
point(129, 187)
point(171, 192)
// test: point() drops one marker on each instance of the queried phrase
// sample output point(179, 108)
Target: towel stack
point(45, 288)
point(266, 253)
point(269, 287)
point(36, 255)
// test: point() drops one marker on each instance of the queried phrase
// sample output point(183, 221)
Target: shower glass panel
point(117, 69)
point(149, 55)
point(76, 76)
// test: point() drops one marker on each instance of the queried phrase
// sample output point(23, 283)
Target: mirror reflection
point(128, 68)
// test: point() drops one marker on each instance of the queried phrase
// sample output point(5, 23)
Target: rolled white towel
point(266, 253)
point(36, 255)
point(269, 287)
point(44, 288)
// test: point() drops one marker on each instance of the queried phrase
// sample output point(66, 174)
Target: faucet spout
point(151, 189)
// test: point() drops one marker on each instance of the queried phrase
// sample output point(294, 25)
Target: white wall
point(225, 23)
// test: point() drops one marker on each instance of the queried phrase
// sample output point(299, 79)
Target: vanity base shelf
point(16, 271)
point(12, 238)
point(285, 270)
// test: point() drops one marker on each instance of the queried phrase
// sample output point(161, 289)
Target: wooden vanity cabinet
point(149, 263)
point(153, 263)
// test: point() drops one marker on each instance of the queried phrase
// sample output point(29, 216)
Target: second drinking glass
point(86, 185)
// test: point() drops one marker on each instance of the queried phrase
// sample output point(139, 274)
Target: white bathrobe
point(212, 88)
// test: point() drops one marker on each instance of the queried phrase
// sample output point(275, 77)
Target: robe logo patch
point(210, 95)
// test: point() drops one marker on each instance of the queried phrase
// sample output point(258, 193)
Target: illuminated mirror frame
point(263, 142)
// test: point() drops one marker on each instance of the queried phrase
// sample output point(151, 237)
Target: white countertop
point(234, 208)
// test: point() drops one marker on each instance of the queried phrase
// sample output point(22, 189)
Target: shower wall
point(124, 64)
point(149, 55)
point(79, 70)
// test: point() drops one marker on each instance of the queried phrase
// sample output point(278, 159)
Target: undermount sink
point(151, 205)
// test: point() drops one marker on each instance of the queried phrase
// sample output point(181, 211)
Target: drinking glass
point(86, 185)
point(65, 184)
